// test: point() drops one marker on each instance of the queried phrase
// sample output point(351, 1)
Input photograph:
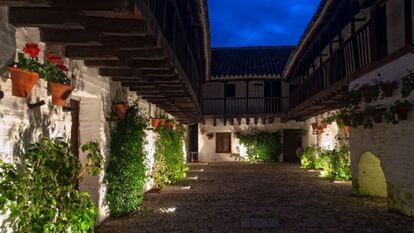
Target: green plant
point(126, 175)
point(261, 146)
point(407, 84)
point(55, 70)
point(351, 99)
point(94, 156)
point(41, 193)
point(339, 165)
point(169, 157)
point(309, 157)
point(28, 60)
point(370, 92)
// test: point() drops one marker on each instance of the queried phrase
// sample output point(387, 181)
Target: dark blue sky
point(258, 22)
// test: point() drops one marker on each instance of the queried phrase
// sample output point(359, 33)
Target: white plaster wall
point(207, 147)
point(328, 139)
point(392, 144)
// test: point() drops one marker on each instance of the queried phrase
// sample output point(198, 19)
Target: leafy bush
point(169, 157)
point(309, 158)
point(95, 158)
point(41, 191)
point(262, 146)
point(335, 163)
point(125, 176)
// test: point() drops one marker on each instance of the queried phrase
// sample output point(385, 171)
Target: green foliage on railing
point(261, 146)
point(335, 163)
point(126, 176)
point(169, 158)
point(40, 192)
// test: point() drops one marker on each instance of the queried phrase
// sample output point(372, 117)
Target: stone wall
point(207, 147)
point(391, 144)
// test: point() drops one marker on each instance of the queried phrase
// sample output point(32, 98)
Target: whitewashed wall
point(207, 147)
point(392, 144)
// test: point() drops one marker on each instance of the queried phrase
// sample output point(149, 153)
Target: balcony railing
point(245, 106)
point(354, 54)
point(172, 26)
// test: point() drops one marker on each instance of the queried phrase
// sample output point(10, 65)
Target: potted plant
point(59, 83)
point(25, 72)
point(314, 126)
point(120, 107)
point(370, 92)
point(351, 98)
point(169, 124)
point(401, 108)
point(158, 121)
point(387, 88)
point(407, 84)
point(376, 112)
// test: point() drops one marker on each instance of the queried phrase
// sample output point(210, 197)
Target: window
point(230, 90)
point(223, 142)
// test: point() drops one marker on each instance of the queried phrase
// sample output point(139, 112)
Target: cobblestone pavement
point(259, 198)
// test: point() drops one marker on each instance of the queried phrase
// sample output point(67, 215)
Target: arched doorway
point(371, 178)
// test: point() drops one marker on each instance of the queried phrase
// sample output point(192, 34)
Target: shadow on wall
point(371, 179)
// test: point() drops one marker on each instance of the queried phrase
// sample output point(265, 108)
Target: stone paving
point(248, 198)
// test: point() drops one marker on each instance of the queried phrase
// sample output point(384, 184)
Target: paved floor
point(259, 198)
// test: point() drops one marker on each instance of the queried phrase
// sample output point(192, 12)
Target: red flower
point(63, 67)
point(31, 49)
point(52, 58)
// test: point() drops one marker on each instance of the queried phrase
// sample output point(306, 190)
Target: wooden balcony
point(151, 46)
point(245, 107)
point(321, 90)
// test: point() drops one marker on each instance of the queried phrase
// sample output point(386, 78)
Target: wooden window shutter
point(223, 142)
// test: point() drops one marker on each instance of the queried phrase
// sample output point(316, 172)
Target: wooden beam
point(130, 41)
point(44, 18)
point(25, 3)
point(70, 37)
point(91, 52)
point(116, 72)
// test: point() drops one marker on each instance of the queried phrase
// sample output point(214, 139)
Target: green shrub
point(41, 191)
point(262, 146)
point(126, 176)
point(335, 163)
point(169, 158)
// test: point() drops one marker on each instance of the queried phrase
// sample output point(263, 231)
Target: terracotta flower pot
point(22, 82)
point(367, 96)
point(402, 113)
point(378, 117)
point(60, 93)
point(120, 110)
point(169, 125)
point(156, 122)
point(346, 130)
point(387, 89)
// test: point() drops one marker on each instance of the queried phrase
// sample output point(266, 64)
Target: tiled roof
point(249, 61)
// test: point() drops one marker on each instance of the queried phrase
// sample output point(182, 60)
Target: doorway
point(292, 140)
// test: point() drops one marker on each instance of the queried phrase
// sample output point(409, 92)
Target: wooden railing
point(169, 19)
point(354, 54)
point(244, 106)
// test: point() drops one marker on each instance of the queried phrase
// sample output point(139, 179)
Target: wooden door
point(292, 140)
point(74, 105)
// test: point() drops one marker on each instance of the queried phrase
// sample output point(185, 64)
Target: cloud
point(259, 22)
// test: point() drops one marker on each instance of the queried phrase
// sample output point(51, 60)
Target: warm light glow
point(167, 210)
point(193, 178)
point(243, 151)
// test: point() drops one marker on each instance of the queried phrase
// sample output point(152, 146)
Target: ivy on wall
point(169, 158)
point(261, 146)
point(41, 193)
point(125, 175)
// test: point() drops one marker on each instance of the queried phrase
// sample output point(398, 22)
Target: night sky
point(259, 22)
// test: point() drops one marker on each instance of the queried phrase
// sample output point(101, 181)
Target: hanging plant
point(25, 72)
point(387, 88)
point(120, 110)
point(370, 92)
point(55, 72)
point(376, 112)
point(94, 157)
point(407, 84)
point(401, 108)
point(351, 99)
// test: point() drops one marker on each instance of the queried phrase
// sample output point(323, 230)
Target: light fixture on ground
point(192, 178)
point(167, 210)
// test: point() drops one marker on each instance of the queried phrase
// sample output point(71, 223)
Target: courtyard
point(274, 197)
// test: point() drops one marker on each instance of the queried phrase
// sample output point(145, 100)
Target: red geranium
point(52, 58)
point(31, 49)
point(63, 67)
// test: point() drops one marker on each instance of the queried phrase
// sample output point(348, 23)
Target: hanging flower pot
point(319, 130)
point(367, 96)
point(401, 108)
point(157, 122)
point(25, 72)
point(387, 89)
point(60, 93)
point(120, 110)
point(402, 113)
point(378, 116)
point(314, 126)
point(22, 82)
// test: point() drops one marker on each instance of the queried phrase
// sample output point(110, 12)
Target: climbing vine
point(169, 158)
point(126, 176)
point(261, 146)
point(40, 192)
point(94, 156)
